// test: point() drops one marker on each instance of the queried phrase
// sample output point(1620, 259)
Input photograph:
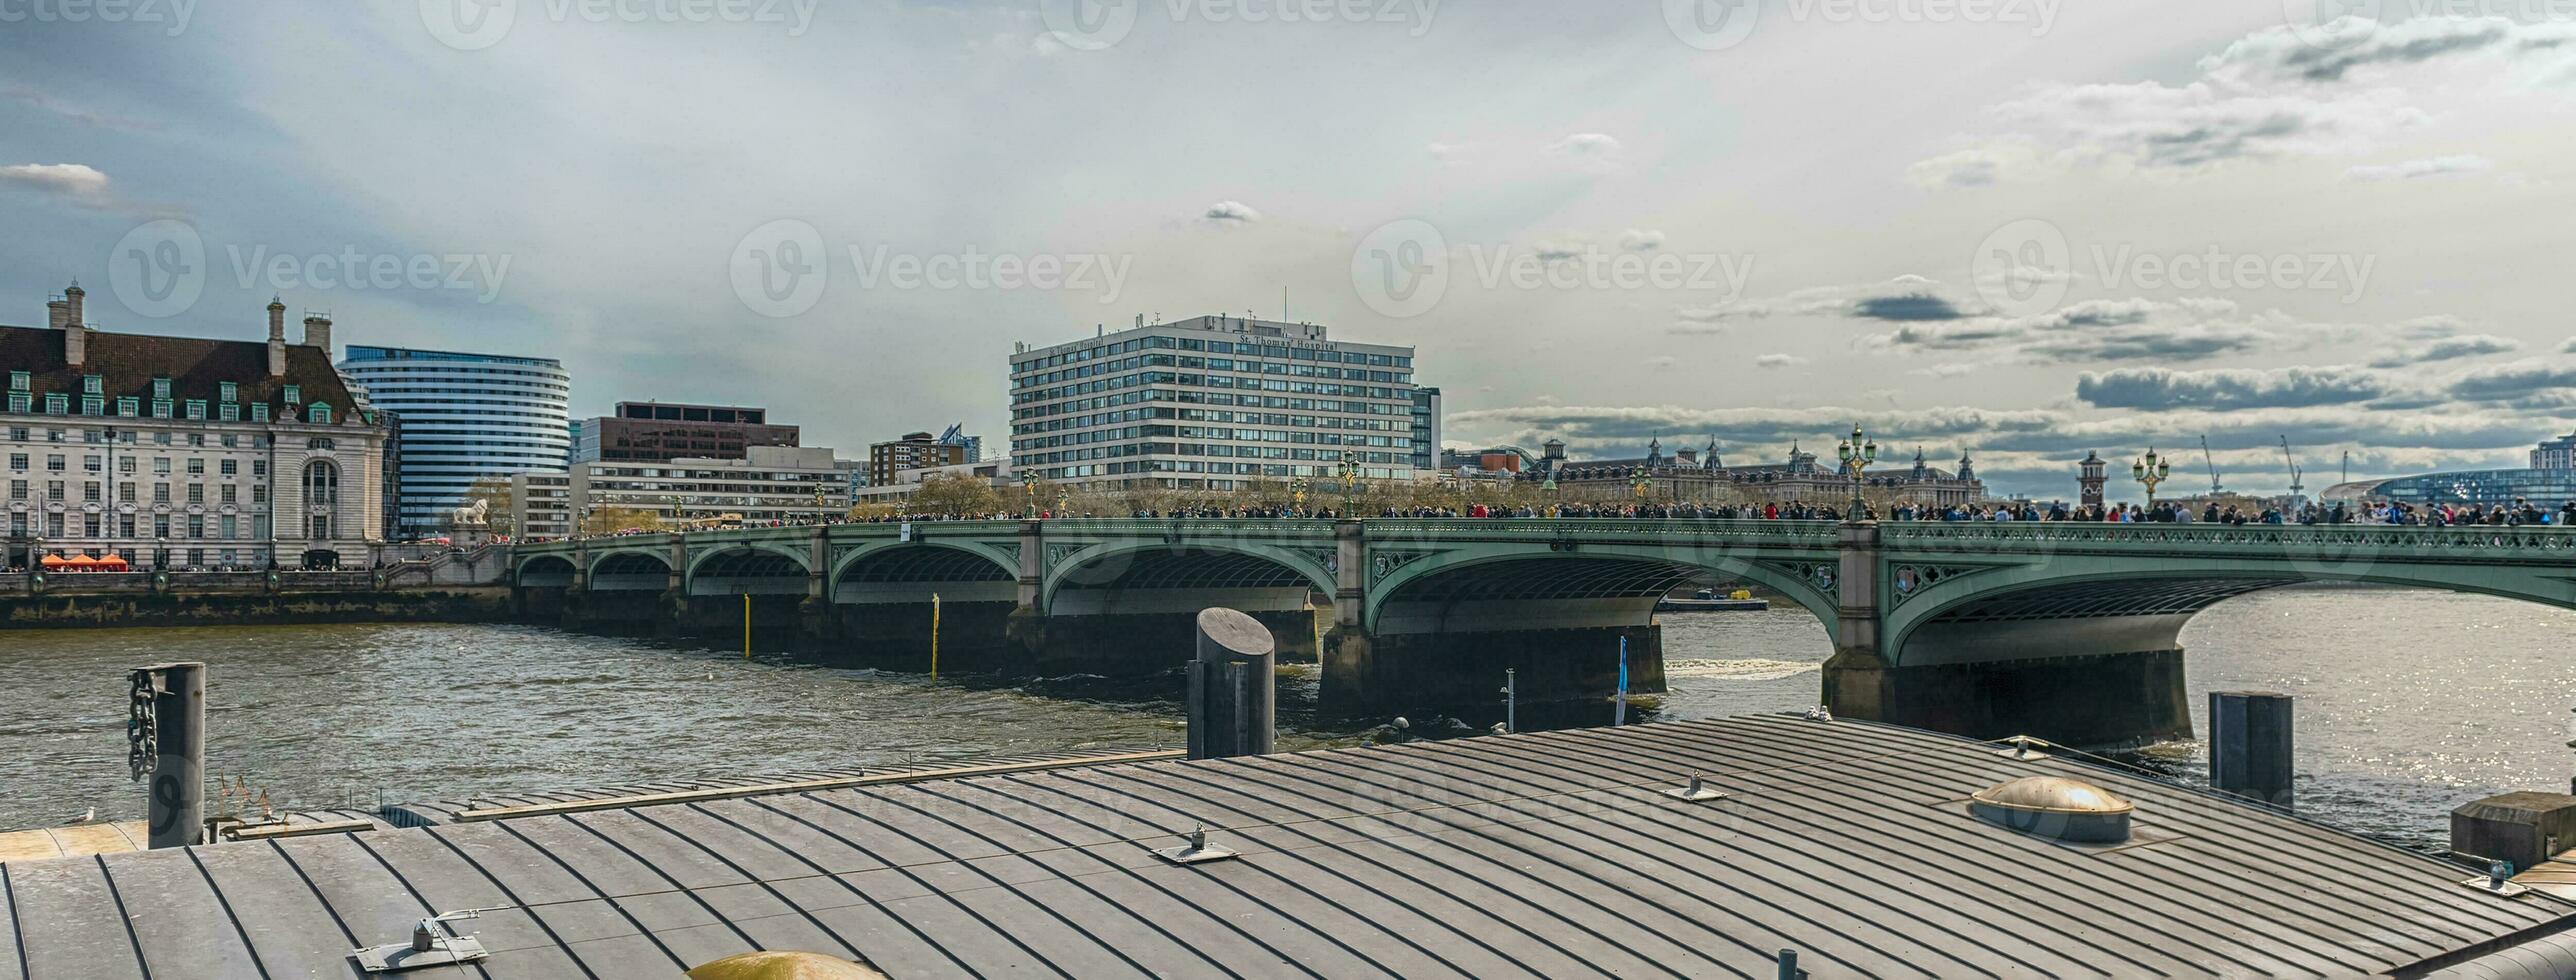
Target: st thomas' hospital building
point(185, 452)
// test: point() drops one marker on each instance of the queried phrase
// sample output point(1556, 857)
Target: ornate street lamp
point(1029, 485)
point(1297, 494)
point(2150, 469)
point(1638, 483)
point(1857, 453)
point(1350, 473)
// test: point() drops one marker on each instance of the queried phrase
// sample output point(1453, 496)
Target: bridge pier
point(2108, 700)
point(973, 635)
point(1558, 671)
point(1139, 643)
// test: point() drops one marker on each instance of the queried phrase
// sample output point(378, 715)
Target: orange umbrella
point(111, 561)
point(52, 561)
point(81, 561)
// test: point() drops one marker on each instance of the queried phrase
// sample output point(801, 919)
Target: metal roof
point(1555, 854)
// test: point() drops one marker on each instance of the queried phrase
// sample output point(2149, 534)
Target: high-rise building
point(178, 452)
point(916, 450)
point(1213, 401)
point(661, 431)
point(1426, 428)
point(464, 417)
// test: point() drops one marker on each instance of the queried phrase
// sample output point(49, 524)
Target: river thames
point(2409, 703)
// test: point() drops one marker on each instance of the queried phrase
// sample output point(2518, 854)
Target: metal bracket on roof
point(1196, 851)
point(2025, 748)
point(429, 946)
point(2498, 881)
point(1697, 792)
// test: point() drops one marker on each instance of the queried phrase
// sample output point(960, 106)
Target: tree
point(611, 520)
point(957, 496)
point(494, 491)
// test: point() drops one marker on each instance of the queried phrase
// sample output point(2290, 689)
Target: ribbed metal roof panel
point(1544, 855)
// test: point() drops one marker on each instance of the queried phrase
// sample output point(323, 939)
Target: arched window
point(322, 488)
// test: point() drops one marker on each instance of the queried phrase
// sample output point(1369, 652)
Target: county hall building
point(180, 452)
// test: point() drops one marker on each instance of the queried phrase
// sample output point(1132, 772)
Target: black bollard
point(2250, 744)
point(176, 806)
point(1233, 700)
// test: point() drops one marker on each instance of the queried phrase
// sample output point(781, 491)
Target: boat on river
point(1707, 600)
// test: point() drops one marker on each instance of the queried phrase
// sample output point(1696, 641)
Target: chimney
point(58, 313)
point(317, 333)
point(276, 338)
point(75, 329)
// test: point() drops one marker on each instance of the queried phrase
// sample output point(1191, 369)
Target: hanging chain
point(141, 748)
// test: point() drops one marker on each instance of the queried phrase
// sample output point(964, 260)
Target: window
point(160, 493)
point(318, 413)
point(18, 381)
point(228, 412)
point(231, 441)
point(53, 462)
point(197, 409)
point(228, 392)
point(17, 461)
point(53, 489)
point(92, 384)
point(57, 403)
point(125, 495)
point(90, 491)
point(226, 496)
point(231, 467)
point(161, 466)
point(93, 405)
point(17, 489)
point(259, 467)
point(128, 406)
point(294, 394)
point(259, 411)
point(196, 467)
point(196, 493)
point(20, 401)
point(161, 389)
point(125, 465)
point(160, 408)
point(259, 493)
point(322, 486)
point(160, 525)
point(93, 464)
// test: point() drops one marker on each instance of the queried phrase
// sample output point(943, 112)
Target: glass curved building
point(462, 417)
point(2549, 481)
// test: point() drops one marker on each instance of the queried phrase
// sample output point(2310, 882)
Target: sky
point(2014, 229)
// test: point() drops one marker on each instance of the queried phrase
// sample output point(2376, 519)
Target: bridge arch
point(894, 572)
point(1620, 577)
point(629, 570)
point(1115, 569)
point(544, 572)
point(2136, 603)
point(756, 569)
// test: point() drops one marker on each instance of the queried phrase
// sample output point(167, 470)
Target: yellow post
point(934, 636)
point(746, 626)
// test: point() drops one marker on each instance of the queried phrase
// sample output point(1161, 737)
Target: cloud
point(2527, 382)
point(2448, 166)
point(1230, 213)
point(73, 180)
point(1595, 153)
point(2134, 329)
point(2447, 349)
point(1777, 361)
point(2164, 389)
point(1634, 240)
point(2268, 94)
point(1903, 299)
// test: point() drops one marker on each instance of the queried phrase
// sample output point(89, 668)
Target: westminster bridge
point(2069, 631)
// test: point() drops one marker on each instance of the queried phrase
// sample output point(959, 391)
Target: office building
point(1426, 428)
point(464, 417)
point(181, 452)
point(662, 431)
point(771, 483)
point(1213, 401)
point(2548, 482)
point(916, 450)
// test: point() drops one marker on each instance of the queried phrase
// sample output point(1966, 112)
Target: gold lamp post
point(2150, 469)
point(1857, 453)
point(1297, 494)
point(1029, 484)
point(1640, 484)
point(1350, 473)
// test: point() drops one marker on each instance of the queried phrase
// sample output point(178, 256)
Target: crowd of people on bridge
point(2522, 513)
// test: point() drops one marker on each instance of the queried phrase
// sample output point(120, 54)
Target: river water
point(2409, 704)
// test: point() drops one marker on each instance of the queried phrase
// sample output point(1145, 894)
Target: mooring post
point(2250, 745)
point(177, 805)
point(1233, 687)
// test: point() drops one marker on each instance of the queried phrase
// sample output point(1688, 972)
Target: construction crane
point(2212, 463)
point(2297, 489)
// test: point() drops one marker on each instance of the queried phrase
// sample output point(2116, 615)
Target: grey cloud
point(2520, 381)
point(2161, 389)
point(2447, 349)
point(1911, 308)
point(1231, 213)
point(2279, 52)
